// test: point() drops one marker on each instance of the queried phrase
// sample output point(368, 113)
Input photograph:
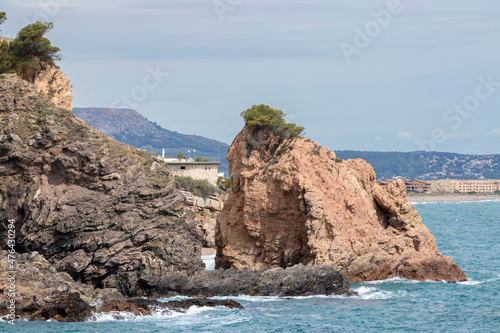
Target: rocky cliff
point(294, 202)
point(105, 213)
point(52, 81)
point(95, 218)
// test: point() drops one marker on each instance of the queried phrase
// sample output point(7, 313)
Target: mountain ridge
point(130, 127)
point(428, 165)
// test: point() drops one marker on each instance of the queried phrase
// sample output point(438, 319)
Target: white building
point(195, 170)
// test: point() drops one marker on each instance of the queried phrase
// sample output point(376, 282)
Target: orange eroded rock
point(294, 202)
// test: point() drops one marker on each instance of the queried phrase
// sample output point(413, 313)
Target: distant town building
point(412, 185)
point(484, 186)
point(195, 170)
point(464, 186)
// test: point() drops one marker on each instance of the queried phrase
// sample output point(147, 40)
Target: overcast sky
point(363, 75)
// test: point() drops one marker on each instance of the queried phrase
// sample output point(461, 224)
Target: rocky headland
point(96, 219)
point(293, 202)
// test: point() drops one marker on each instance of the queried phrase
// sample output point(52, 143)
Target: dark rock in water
point(144, 307)
point(298, 280)
point(177, 305)
point(187, 303)
point(67, 308)
point(124, 306)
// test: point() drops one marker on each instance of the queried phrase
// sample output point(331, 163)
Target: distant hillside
point(132, 128)
point(428, 165)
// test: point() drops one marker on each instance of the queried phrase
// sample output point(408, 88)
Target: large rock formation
point(294, 202)
point(95, 218)
point(105, 213)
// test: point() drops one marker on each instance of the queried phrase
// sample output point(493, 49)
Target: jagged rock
point(124, 306)
point(293, 201)
point(66, 308)
point(185, 304)
point(51, 81)
point(37, 284)
point(145, 307)
point(89, 205)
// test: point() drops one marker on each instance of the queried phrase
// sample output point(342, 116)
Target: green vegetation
point(181, 156)
point(200, 159)
point(6, 58)
point(264, 117)
point(3, 18)
point(30, 44)
point(201, 188)
point(149, 160)
point(224, 183)
point(25, 53)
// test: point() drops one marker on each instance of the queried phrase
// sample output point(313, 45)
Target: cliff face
point(203, 213)
point(105, 213)
point(294, 202)
point(51, 81)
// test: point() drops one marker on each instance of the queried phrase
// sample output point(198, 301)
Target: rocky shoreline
point(95, 219)
point(100, 227)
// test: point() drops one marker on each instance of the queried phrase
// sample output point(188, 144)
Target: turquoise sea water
point(469, 232)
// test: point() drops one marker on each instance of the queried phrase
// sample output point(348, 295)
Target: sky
point(364, 75)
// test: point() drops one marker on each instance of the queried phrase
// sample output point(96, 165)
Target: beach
point(451, 197)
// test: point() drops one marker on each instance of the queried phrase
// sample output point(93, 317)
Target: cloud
point(405, 135)
point(495, 132)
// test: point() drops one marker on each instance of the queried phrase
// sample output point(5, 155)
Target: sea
point(469, 232)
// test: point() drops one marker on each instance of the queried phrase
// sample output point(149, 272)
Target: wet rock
point(66, 308)
point(183, 305)
point(124, 306)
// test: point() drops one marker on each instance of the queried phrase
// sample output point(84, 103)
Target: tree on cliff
point(30, 48)
point(3, 18)
point(6, 59)
point(5, 56)
point(264, 117)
